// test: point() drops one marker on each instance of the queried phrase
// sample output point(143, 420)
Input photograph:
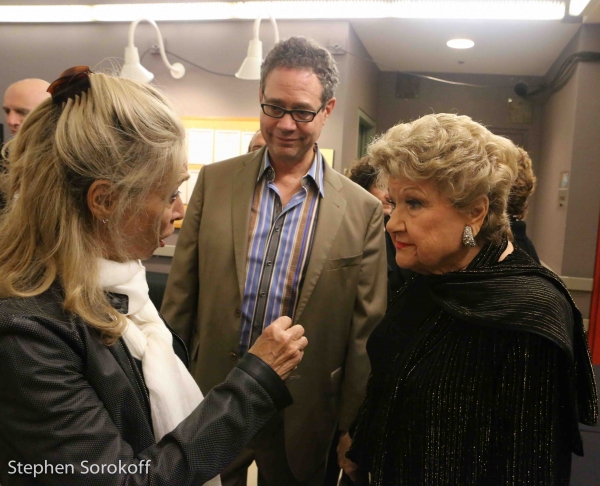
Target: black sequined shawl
point(491, 388)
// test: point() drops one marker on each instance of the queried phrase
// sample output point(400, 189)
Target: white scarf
point(173, 392)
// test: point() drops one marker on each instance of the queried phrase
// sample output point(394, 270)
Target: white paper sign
point(246, 139)
point(227, 144)
point(200, 146)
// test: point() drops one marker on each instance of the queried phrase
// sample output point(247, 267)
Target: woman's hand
point(281, 346)
point(346, 464)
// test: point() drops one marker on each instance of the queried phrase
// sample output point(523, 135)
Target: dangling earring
point(467, 237)
point(104, 221)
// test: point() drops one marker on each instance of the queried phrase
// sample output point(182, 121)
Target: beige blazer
point(342, 298)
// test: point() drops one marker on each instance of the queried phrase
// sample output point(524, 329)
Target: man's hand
point(281, 346)
point(346, 464)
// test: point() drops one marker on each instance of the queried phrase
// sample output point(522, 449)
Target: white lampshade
point(132, 69)
point(250, 68)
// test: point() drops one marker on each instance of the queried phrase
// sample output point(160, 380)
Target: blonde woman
point(480, 369)
point(95, 388)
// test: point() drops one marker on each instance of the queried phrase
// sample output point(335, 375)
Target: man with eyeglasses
point(279, 232)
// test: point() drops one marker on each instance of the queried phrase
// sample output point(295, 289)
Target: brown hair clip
point(71, 83)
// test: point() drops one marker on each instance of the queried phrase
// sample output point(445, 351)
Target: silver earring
point(104, 221)
point(467, 237)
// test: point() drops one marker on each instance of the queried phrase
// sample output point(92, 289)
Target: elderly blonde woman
point(474, 380)
point(95, 389)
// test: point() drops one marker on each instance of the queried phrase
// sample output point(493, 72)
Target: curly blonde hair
point(461, 157)
point(120, 131)
point(523, 187)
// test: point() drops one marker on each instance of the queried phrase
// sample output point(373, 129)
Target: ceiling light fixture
point(315, 9)
point(576, 7)
point(460, 43)
point(250, 68)
point(132, 69)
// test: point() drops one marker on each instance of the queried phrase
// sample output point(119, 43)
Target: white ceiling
point(524, 48)
point(501, 47)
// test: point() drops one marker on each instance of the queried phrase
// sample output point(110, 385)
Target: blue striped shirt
point(279, 243)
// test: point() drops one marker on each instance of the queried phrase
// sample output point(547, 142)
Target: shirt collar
point(315, 172)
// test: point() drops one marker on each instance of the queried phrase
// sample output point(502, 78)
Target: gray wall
point(548, 227)
point(571, 142)
point(567, 237)
point(46, 50)
point(488, 106)
point(361, 84)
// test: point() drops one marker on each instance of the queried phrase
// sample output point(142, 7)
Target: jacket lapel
point(243, 184)
point(331, 212)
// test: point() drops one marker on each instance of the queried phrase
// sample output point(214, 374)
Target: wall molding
point(165, 251)
point(580, 284)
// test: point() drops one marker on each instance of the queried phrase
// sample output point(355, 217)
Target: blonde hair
point(461, 157)
point(523, 187)
point(120, 131)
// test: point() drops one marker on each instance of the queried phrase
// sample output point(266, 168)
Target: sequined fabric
point(490, 388)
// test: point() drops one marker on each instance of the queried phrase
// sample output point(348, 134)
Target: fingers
point(281, 346)
point(302, 343)
point(297, 332)
point(282, 323)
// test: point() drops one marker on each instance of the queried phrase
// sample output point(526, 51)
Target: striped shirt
point(279, 243)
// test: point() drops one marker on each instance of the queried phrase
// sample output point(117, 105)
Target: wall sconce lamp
point(132, 69)
point(250, 68)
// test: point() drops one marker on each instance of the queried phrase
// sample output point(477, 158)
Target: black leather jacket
point(69, 404)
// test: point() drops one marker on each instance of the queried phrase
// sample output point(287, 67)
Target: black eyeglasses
point(300, 116)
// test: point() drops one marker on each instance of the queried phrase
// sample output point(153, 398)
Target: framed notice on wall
point(212, 139)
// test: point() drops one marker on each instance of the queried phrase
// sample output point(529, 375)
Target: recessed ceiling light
point(460, 43)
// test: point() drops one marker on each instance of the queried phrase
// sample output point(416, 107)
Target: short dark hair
point(363, 173)
point(522, 188)
point(303, 53)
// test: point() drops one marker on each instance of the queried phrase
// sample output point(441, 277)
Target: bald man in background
point(19, 99)
point(257, 142)
point(22, 97)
